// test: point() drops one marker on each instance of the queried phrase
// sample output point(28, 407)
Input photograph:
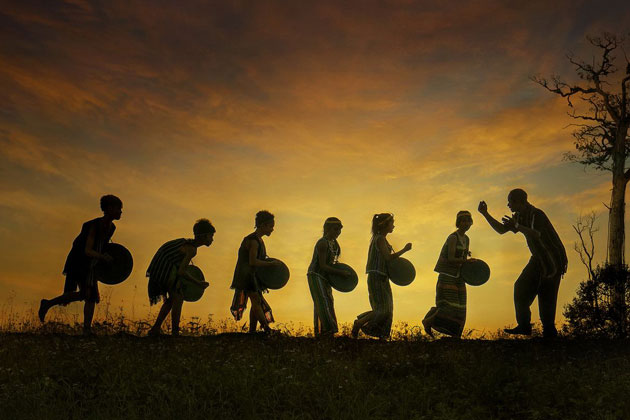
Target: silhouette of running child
point(79, 268)
point(167, 271)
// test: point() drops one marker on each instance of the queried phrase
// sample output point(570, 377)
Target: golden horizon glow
point(313, 110)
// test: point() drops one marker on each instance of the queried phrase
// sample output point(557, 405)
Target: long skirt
point(448, 316)
point(324, 318)
point(382, 303)
point(239, 304)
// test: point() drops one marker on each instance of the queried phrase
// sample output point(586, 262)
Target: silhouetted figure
point(378, 321)
point(80, 263)
point(542, 274)
point(168, 268)
point(252, 254)
point(325, 254)
point(448, 316)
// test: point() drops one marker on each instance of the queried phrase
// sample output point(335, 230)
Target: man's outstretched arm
point(494, 223)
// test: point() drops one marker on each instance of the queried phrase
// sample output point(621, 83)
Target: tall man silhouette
point(542, 274)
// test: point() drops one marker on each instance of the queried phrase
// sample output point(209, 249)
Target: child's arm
point(253, 256)
point(381, 245)
point(189, 252)
point(451, 244)
point(323, 264)
point(89, 247)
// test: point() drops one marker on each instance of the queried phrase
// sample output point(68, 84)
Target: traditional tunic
point(160, 272)
point(542, 274)
point(448, 316)
point(245, 281)
point(548, 249)
point(79, 268)
point(324, 318)
point(380, 292)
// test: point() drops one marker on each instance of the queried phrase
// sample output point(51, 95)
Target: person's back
point(547, 248)
point(76, 257)
point(169, 255)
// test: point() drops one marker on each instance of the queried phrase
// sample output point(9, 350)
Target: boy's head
point(265, 222)
point(111, 206)
point(204, 231)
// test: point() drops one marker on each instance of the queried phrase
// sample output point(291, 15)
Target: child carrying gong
point(378, 321)
point(168, 269)
point(448, 316)
point(252, 254)
point(325, 254)
point(87, 250)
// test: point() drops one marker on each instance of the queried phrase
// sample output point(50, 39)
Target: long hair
point(379, 221)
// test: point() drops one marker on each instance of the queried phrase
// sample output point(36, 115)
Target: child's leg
point(257, 310)
point(178, 301)
point(64, 299)
point(164, 310)
point(317, 325)
point(253, 320)
point(361, 320)
point(88, 314)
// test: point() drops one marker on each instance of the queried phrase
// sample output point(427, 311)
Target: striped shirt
point(443, 266)
point(376, 262)
point(167, 256)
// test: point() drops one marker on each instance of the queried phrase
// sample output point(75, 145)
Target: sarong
point(382, 303)
point(448, 316)
point(324, 318)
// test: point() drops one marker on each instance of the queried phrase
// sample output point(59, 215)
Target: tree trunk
point(616, 222)
point(616, 234)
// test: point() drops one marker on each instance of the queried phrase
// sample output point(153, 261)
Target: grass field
point(235, 375)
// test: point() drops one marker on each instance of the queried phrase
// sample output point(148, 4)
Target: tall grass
point(110, 319)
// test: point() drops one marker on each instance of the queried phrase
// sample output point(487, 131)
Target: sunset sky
point(307, 109)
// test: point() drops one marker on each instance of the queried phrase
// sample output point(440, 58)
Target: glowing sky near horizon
point(307, 109)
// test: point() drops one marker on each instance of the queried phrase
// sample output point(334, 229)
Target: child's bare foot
point(43, 309)
point(355, 329)
point(427, 328)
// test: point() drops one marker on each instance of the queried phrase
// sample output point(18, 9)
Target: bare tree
point(601, 136)
point(586, 229)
